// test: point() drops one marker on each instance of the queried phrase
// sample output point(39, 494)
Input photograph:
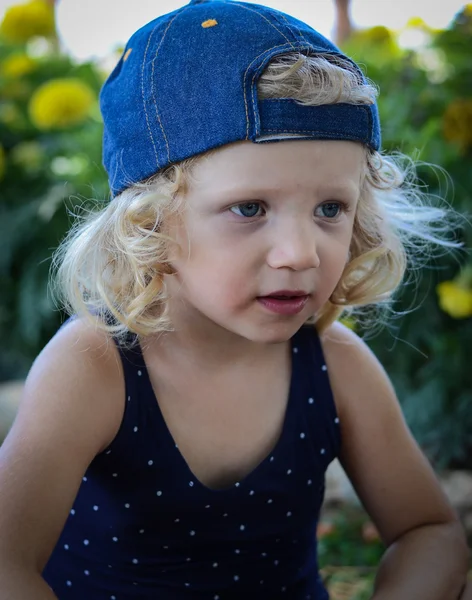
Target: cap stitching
point(326, 133)
point(152, 79)
point(302, 37)
point(244, 83)
point(253, 89)
point(263, 17)
point(142, 94)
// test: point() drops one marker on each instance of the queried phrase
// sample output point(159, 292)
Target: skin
point(226, 422)
point(298, 239)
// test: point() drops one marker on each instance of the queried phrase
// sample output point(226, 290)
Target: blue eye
point(248, 210)
point(329, 210)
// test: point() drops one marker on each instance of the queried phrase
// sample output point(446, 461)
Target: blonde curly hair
point(111, 263)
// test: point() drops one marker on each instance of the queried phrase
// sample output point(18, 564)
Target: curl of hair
point(112, 262)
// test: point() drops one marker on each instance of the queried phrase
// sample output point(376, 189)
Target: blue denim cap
point(187, 83)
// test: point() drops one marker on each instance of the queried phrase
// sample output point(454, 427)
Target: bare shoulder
point(78, 368)
point(353, 368)
point(71, 409)
point(392, 477)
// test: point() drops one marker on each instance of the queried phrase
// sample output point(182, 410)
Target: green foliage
point(49, 172)
point(425, 351)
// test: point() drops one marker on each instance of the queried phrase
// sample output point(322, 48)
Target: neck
point(205, 344)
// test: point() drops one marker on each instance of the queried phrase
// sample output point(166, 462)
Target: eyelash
point(343, 208)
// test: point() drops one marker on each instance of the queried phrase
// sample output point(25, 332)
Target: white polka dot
point(159, 493)
point(295, 350)
point(115, 475)
point(236, 578)
point(225, 515)
point(302, 435)
point(86, 572)
point(192, 533)
point(271, 459)
point(336, 420)
point(323, 451)
point(216, 597)
point(150, 463)
point(127, 505)
point(207, 506)
point(86, 542)
point(129, 398)
point(135, 561)
point(289, 514)
point(141, 531)
point(289, 472)
point(112, 597)
point(115, 539)
point(215, 565)
point(189, 559)
point(269, 501)
point(324, 368)
point(284, 589)
point(108, 452)
point(95, 508)
point(264, 554)
point(187, 585)
point(135, 429)
point(166, 547)
point(237, 484)
point(310, 400)
point(177, 521)
point(66, 546)
point(242, 527)
point(261, 582)
point(140, 373)
point(309, 482)
point(191, 484)
point(276, 562)
point(237, 551)
point(68, 583)
point(84, 478)
point(251, 493)
point(72, 512)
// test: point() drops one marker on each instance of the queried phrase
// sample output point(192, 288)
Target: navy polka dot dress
point(143, 527)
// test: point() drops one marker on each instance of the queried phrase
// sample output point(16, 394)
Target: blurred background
point(54, 58)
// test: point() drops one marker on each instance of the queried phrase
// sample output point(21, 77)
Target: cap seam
point(302, 37)
point(183, 9)
point(252, 83)
point(142, 94)
point(239, 5)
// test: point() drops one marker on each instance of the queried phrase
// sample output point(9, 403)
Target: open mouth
point(284, 305)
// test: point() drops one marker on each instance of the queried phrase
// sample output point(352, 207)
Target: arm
point(70, 410)
point(427, 556)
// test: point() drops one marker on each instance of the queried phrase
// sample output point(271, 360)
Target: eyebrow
point(352, 192)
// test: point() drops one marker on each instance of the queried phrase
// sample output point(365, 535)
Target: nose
point(294, 247)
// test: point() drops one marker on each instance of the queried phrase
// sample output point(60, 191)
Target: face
point(265, 220)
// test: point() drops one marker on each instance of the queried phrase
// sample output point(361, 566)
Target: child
point(173, 436)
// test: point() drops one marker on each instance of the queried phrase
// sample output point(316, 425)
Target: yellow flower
point(2, 162)
point(457, 122)
point(455, 300)
point(17, 65)
point(24, 21)
point(61, 103)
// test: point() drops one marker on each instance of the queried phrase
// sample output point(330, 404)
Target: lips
point(284, 302)
point(286, 294)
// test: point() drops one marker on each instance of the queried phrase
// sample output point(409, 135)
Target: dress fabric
point(144, 527)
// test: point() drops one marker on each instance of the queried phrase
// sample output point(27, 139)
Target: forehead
point(276, 165)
